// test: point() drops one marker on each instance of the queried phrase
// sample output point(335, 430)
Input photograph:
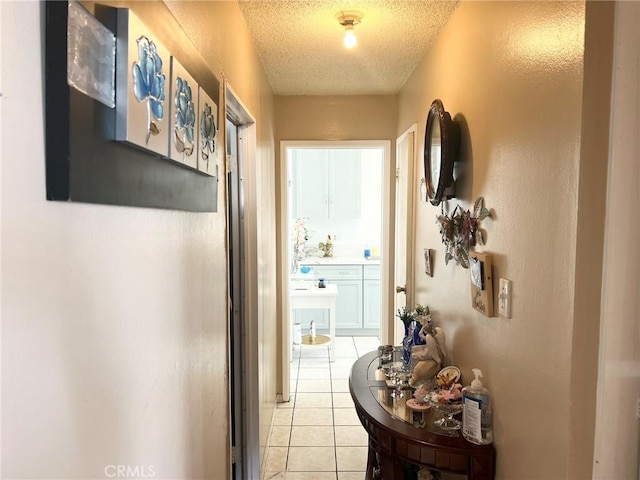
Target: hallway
point(317, 435)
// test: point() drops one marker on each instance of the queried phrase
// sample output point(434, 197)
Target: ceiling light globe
point(350, 39)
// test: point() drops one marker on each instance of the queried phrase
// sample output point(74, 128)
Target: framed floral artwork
point(142, 69)
point(183, 119)
point(84, 160)
point(208, 118)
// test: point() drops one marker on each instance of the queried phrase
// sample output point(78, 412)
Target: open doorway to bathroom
point(335, 231)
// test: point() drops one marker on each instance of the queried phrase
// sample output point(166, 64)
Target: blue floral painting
point(185, 120)
point(208, 118)
point(142, 86)
point(208, 132)
point(183, 116)
point(149, 83)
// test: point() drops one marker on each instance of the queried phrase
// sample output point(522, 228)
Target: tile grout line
point(335, 451)
point(333, 405)
point(293, 412)
point(333, 417)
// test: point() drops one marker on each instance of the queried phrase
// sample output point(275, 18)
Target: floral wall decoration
point(184, 122)
point(148, 83)
point(207, 116)
point(140, 85)
point(461, 230)
point(185, 117)
point(114, 112)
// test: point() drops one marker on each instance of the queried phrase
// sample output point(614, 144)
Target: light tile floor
point(317, 434)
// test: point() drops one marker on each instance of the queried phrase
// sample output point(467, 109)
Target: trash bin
point(297, 334)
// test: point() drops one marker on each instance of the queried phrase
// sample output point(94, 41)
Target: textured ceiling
point(300, 43)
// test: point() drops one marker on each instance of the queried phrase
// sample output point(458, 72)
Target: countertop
point(339, 261)
point(331, 290)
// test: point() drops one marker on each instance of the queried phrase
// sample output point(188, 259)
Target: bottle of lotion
point(476, 414)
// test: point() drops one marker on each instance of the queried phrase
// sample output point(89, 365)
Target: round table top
point(372, 395)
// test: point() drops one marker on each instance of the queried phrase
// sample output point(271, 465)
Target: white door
point(403, 272)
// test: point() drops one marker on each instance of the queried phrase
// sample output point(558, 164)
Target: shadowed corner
point(463, 166)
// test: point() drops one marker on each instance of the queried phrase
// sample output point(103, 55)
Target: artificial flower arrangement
point(300, 236)
point(446, 390)
point(419, 315)
point(406, 315)
point(449, 390)
point(444, 396)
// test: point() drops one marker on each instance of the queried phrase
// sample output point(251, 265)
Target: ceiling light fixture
point(349, 20)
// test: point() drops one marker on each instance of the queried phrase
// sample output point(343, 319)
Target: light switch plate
point(504, 298)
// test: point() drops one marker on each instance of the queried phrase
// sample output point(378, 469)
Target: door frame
point(412, 197)
point(246, 378)
point(283, 245)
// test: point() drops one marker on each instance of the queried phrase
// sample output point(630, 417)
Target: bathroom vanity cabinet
point(371, 297)
point(358, 301)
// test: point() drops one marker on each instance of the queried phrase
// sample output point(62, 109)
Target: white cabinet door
point(348, 279)
point(371, 296)
point(349, 304)
point(344, 185)
point(371, 303)
point(310, 176)
point(326, 183)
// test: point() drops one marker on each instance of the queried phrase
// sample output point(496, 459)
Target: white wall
point(617, 427)
point(517, 77)
point(219, 32)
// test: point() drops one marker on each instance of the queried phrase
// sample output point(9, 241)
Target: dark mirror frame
point(450, 144)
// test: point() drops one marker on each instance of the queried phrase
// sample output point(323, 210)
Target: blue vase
point(407, 343)
point(416, 334)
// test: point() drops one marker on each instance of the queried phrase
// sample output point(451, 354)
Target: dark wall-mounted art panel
point(84, 162)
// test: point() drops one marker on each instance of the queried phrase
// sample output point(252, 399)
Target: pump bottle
point(476, 414)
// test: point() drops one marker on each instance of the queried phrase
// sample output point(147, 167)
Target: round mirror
point(442, 138)
point(435, 152)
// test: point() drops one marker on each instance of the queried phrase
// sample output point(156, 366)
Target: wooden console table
point(396, 445)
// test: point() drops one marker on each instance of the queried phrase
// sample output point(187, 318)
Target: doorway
point(338, 190)
point(235, 233)
point(245, 448)
point(405, 195)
